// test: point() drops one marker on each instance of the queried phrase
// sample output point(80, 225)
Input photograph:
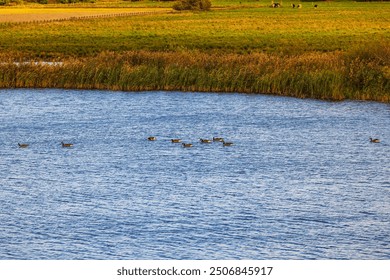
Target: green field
point(344, 47)
point(330, 27)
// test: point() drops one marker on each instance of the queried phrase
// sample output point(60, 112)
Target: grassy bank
point(338, 51)
point(358, 74)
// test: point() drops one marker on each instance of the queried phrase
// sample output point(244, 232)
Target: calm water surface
point(301, 182)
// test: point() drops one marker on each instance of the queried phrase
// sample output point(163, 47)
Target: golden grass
point(13, 15)
point(359, 74)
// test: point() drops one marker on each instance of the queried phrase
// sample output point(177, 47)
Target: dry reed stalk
point(331, 76)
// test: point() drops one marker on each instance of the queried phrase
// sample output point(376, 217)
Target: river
point(301, 180)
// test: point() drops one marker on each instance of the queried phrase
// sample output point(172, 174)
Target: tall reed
point(362, 74)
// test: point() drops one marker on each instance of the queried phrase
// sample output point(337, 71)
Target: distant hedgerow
point(193, 5)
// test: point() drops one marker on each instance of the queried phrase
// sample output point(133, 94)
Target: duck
point(152, 138)
point(375, 140)
point(187, 145)
point(205, 140)
point(227, 143)
point(23, 145)
point(66, 145)
point(176, 140)
point(218, 139)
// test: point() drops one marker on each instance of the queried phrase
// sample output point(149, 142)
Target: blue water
point(302, 180)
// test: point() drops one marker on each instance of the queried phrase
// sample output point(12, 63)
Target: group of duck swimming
point(64, 145)
point(177, 140)
point(201, 140)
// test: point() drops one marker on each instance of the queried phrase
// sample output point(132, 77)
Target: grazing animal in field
point(176, 140)
point(293, 6)
point(375, 140)
point(66, 145)
point(275, 5)
point(152, 138)
point(315, 6)
point(217, 139)
point(23, 145)
point(299, 6)
point(205, 140)
point(187, 145)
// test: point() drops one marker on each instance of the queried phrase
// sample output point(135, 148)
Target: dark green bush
point(193, 5)
point(75, 1)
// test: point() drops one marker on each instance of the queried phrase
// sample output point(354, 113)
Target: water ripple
point(301, 181)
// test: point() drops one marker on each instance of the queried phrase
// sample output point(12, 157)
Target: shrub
point(194, 5)
point(74, 1)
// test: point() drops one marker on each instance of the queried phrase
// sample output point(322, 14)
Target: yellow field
point(17, 14)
